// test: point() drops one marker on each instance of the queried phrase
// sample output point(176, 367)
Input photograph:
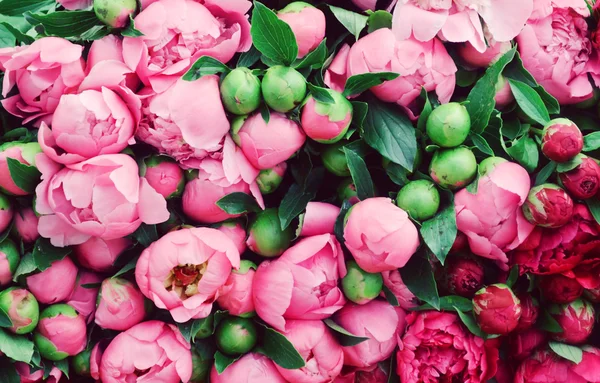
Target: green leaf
point(567, 351)
point(26, 266)
point(265, 113)
point(20, 36)
point(128, 267)
point(564, 167)
point(295, 200)
point(16, 347)
point(146, 234)
point(466, 78)
point(320, 94)
point(205, 66)
point(238, 203)
point(279, 349)
point(360, 174)
point(346, 338)
point(315, 59)
point(525, 151)
point(481, 98)
point(130, 31)
point(361, 82)
point(512, 276)
point(44, 254)
point(352, 21)
point(529, 101)
point(19, 7)
point(339, 221)
point(547, 323)
point(390, 133)
point(249, 58)
point(417, 275)
point(545, 173)
point(25, 177)
point(7, 38)
point(591, 141)
point(8, 372)
point(5, 320)
point(449, 303)
point(95, 33)
point(359, 113)
point(378, 20)
point(470, 323)
point(273, 37)
point(594, 206)
point(427, 109)
point(440, 231)
point(63, 365)
point(482, 144)
point(65, 23)
point(223, 361)
point(190, 328)
point(390, 297)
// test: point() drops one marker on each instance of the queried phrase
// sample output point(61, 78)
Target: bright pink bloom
point(120, 305)
point(319, 218)
point(74, 5)
point(475, 59)
point(302, 283)
point(26, 223)
point(236, 232)
point(98, 254)
point(236, 294)
point(251, 368)
point(393, 281)
point(322, 354)
point(55, 284)
point(308, 25)
point(83, 299)
point(587, 369)
point(436, 345)
point(165, 176)
point(96, 358)
point(25, 154)
point(101, 197)
point(545, 366)
point(492, 218)
point(42, 72)
point(178, 32)
point(376, 320)
point(24, 371)
point(161, 355)
point(269, 144)
point(380, 235)
point(186, 291)
point(67, 333)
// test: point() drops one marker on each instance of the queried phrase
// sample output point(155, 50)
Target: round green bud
point(22, 308)
point(283, 88)
point(236, 125)
point(268, 180)
point(265, 236)
point(115, 13)
point(240, 91)
point(236, 335)
point(359, 286)
point(420, 199)
point(81, 362)
point(448, 125)
point(334, 159)
point(453, 168)
point(489, 164)
point(295, 7)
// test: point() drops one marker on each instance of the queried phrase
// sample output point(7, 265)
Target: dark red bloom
point(463, 276)
point(548, 205)
point(497, 309)
point(529, 312)
point(562, 140)
point(582, 182)
point(560, 289)
point(576, 320)
point(522, 344)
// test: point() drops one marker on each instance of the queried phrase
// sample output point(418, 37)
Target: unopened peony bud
point(115, 13)
point(265, 236)
point(55, 284)
point(420, 199)
point(504, 95)
point(6, 212)
point(164, 175)
point(449, 125)
point(236, 336)
point(120, 305)
point(529, 312)
point(347, 191)
point(487, 165)
point(453, 168)
point(334, 159)
point(61, 332)
point(327, 122)
point(283, 88)
point(582, 182)
point(576, 320)
point(522, 344)
point(561, 140)
point(24, 153)
point(307, 23)
point(268, 180)
point(240, 91)
point(461, 242)
point(359, 286)
point(236, 295)
point(497, 309)
point(26, 223)
point(22, 309)
point(548, 205)
point(9, 260)
point(475, 59)
point(463, 276)
point(559, 289)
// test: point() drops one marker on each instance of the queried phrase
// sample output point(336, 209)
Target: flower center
point(184, 279)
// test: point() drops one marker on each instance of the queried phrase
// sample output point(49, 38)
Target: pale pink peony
point(236, 294)
point(98, 254)
point(55, 284)
point(307, 23)
point(319, 218)
point(101, 59)
point(120, 305)
point(83, 298)
point(26, 223)
point(251, 368)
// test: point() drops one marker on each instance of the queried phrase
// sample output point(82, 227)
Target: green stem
point(537, 131)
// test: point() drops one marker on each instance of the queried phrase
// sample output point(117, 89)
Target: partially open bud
point(236, 294)
point(453, 168)
point(265, 236)
point(9, 260)
point(26, 223)
point(449, 125)
point(582, 182)
point(327, 122)
point(6, 212)
point(24, 153)
point(61, 332)
point(529, 312)
point(497, 309)
point(115, 13)
point(240, 91)
point(359, 286)
point(347, 191)
point(164, 175)
point(268, 180)
point(22, 309)
point(557, 288)
point(561, 140)
point(463, 276)
point(236, 335)
point(120, 305)
point(548, 205)
point(55, 284)
point(334, 159)
point(420, 199)
point(283, 88)
point(575, 318)
point(307, 23)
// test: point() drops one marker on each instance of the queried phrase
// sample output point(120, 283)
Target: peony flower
point(497, 309)
point(587, 369)
point(393, 281)
point(420, 65)
point(583, 182)
point(183, 271)
point(236, 231)
point(74, 5)
point(55, 284)
point(327, 122)
point(436, 347)
point(162, 355)
point(561, 140)
point(236, 294)
point(475, 59)
point(322, 354)
point(83, 298)
point(178, 32)
point(463, 276)
point(42, 72)
point(559, 289)
point(120, 305)
point(251, 368)
point(26, 223)
point(98, 254)
point(545, 366)
point(529, 311)
point(22, 308)
point(576, 320)
point(522, 344)
point(164, 175)
point(60, 333)
point(96, 358)
point(461, 20)
point(302, 283)
point(27, 376)
point(25, 153)
point(380, 235)
point(170, 120)
point(9, 261)
point(101, 59)
point(100, 197)
point(307, 23)
point(319, 218)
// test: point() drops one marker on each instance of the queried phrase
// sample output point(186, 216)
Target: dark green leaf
point(19, 7)
point(8, 372)
point(63, 365)
point(449, 303)
point(130, 31)
point(361, 82)
point(466, 78)
point(378, 20)
point(564, 167)
point(65, 23)
point(470, 323)
point(5, 320)
point(417, 275)
point(146, 234)
point(440, 231)
point(20, 36)
point(223, 361)
point(545, 173)
point(567, 351)
point(273, 37)
point(205, 66)
point(265, 113)
point(25, 177)
point(320, 94)
point(91, 285)
point(128, 267)
point(238, 203)
point(352, 21)
point(427, 109)
point(513, 276)
point(44, 254)
point(360, 174)
point(16, 347)
point(279, 349)
point(295, 200)
point(94, 33)
point(525, 151)
point(397, 174)
point(547, 323)
point(190, 329)
point(314, 59)
point(481, 144)
point(359, 113)
point(529, 101)
point(218, 316)
point(339, 222)
point(7, 38)
point(249, 58)
point(481, 98)
point(591, 142)
point(346, 338)
point(594, 206)
point(390, 297)
point(390, 133)
point(393, 376)
point(26, 266)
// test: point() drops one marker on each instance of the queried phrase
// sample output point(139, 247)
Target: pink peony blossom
point(545, 366)
point(27, 376)
point(319, 218)
point(61, 332)
point(98, 254)
point(26, 223)
point(307, 23)
point(120, 305)
point(236, 294)
point(101, 59)
point(251, 368)
point(393, 281)
point(83, 299)
point(55, 284)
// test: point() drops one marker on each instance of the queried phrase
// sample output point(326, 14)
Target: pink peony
point(61, 332)
point(523, 344)
point(101, 59)
point(183, 271)
point(74, 5)
point(251, 368)
point(96, 358)
point(100, 197)
point(319, 218)
point(393, 281)
point(55, 284)
point(26, 223)
point(307, 23)
point(164, 175)
point(120, 305)
point(302, 283)
point(98, 254)
point(161, 355)
point(236, 231)
point(492, 218)
point(380, 235)
point(437, 347)
point(236, 294)
point(545, 366)
point(83, 298)
point(27, 376)
point(178, 32)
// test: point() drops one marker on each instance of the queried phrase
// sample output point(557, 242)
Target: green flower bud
point(11, 252)
point(81, 362)
point(22, 308)
point(240, 91)
point(448, 125)
point(453, 168)
point(334, 159)
point(265, 236)
point(327, 122)
point(236, 335)
point(283, 88)
point(420, 199)
point(268, 180)
point(359, 286)
point(347, 191)
point(115, 13)
point(236, 125)
point(489, 164)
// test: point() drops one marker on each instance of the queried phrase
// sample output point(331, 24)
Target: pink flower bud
point(268, 180)
point(83, 298)
point(96, 358)
point(55, 284)
point(529, 312)
point(548, 205)
point(22, 309)
point(120, 305)
point(327, 122)
point(523, 344)
point(6, 212)
point(393, 281)
point(497, 310)
point(100, 254)
point(9, 261)
point(582, 182)
point(475, 59)
point(74, 5)
point(27, 376)
point(236, 232)
point(575, 318)
point(307, 23)
point(236, 294)
point(319, 218)
point(557, 288)
point(562, 140)
point(165, 176)
point(26, 225)
point(463, 276)
point(504, 95)
point(61, 332)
